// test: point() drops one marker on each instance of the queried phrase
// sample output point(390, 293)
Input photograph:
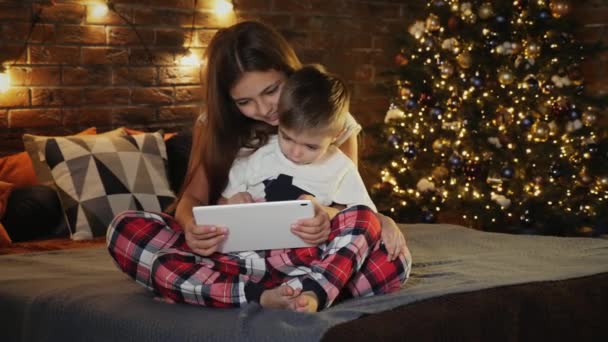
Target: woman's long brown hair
point(243, 47)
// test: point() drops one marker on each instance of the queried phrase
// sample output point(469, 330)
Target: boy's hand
point(314, 230)
point(240, 197)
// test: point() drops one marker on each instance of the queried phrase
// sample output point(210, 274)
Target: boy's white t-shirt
point(333, 179)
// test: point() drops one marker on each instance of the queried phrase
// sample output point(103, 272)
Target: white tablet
point(256, 226)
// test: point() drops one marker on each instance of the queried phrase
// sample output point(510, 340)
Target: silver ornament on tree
point(446, 70)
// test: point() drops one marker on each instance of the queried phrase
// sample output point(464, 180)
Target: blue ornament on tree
point(507, 172)
point(410, 104)
point(501, 19)
point(532, 83)
point(527, 218)
point(574, 115)
point(544, 14)
point(556, 170)
point(593, 148)
point(476, 81)
point(436, 112)
point(428, 216)
point(394, 139)
point(455, 160)
point(410, 151)
point(527, 122)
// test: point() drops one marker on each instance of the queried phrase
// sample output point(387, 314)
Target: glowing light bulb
point(5, 81)
point(189, 60)
point(223, 7)
point(99, 10)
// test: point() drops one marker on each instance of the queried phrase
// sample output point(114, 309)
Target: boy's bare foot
point(279, 298)
point(286, 297)
point(306, 302)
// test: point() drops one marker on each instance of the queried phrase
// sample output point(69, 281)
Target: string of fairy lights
point(221, 8)
point(489, 120)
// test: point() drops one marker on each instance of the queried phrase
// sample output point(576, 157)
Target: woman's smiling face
point(256, 94)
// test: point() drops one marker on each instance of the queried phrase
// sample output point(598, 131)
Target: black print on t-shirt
point(282, 189)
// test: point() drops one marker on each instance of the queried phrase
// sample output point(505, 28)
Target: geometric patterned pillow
point(33, 144)
point(98, 177)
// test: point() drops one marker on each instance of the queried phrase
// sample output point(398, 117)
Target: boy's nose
point(296, 152)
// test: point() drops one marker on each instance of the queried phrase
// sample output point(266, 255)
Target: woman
point(246, 65)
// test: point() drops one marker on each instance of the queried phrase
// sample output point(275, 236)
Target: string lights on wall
point(222, 9)
point(5, 80)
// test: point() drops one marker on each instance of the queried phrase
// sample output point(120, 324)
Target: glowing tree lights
point(490, 122)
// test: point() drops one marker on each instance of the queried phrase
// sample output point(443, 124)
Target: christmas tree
point(490, 122)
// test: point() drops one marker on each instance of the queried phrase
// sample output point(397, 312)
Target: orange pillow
point(5, 240)
point(17, 169)
point(5, 191)
point(131, 131)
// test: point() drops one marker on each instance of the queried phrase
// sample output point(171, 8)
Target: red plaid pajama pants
point(151, 248)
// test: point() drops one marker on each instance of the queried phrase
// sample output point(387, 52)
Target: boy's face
point(304, 147)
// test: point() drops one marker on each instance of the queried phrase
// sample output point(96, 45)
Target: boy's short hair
point(311, 98)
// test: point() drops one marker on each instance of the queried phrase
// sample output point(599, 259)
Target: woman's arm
point(195, 194)
point(203, 240)
point(393, 238)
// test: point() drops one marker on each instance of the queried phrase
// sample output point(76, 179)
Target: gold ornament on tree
point(559, 8)
point(464, 60)
point(589, 117)
point(486, 11)
point(440, 172)
point(451, 44)
point(532, 49)
point(441, 145)
point(432, 23)
point(584, 178)
point(540, 131)
point(503, 117)
point(405, 93)
point(505, 76)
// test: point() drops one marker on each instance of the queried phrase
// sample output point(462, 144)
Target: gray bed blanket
point(79, 295)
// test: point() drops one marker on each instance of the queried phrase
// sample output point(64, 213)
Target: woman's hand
point(393, 238)
point(240, 197)
point(204, 240)
point(314, 230)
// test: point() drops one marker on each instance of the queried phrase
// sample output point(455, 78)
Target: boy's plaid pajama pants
point(151, 248)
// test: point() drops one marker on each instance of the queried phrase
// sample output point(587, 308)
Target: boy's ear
point(340, 132)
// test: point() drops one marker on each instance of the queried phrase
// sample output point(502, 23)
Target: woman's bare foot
point(286, 297)
point(164, 299)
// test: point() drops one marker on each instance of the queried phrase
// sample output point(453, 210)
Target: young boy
point(302, 159)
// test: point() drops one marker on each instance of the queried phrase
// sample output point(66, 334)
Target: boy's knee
point(361, 217)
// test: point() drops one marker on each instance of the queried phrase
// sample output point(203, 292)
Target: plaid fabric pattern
point(151, 249)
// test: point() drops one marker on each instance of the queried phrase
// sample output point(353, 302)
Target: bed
point(464, 285)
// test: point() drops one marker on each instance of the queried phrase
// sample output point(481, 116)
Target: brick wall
point(78, 70)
